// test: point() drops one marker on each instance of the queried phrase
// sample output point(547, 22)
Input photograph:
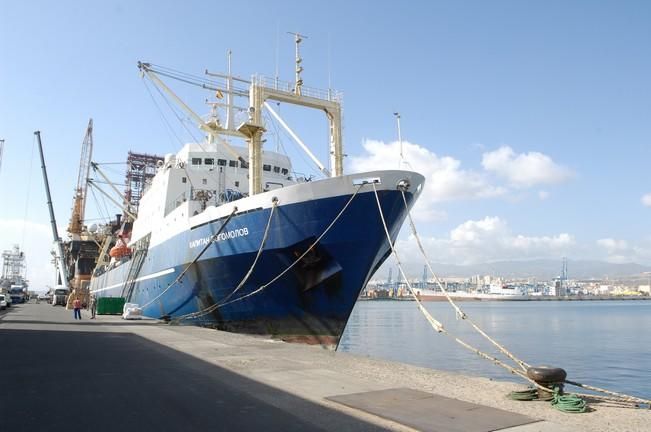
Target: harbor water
point(601, 343)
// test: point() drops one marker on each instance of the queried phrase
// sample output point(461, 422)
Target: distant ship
point(229, 236)
point(437, 295)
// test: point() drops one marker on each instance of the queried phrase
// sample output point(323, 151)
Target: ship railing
point(288, 87)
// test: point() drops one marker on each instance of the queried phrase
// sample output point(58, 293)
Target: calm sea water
point(602, 343)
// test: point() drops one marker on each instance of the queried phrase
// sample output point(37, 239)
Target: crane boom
point(147, 69)
point(63, 270)
point(79, 204)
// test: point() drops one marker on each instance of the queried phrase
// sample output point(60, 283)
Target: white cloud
point(445, 179)
point(621, 251)
point(646, 200)
point(489, 239)
point(612, 245)
point(525, 169)
point(35, 240)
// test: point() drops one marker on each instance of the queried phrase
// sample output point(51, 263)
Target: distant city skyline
point(530, 120)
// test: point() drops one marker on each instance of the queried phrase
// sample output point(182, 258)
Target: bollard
point(548, 377)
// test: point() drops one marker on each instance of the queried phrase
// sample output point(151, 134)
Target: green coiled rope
point(569, 403)
point(524, 395)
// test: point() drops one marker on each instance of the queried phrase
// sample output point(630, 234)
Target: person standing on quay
point(76, 305)
point(93, 307)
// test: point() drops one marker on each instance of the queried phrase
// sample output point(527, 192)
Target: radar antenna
point(298, 38)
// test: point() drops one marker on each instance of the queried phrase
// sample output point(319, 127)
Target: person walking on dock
point(76, 305)
point(93, 307)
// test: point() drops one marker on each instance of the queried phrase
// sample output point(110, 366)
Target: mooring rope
point(461, 314)
point(215, 306)
point(263, 287)
point(615, 395)
point(569, 403)
point(441, 329)
point(281, 274)
point(205, 248)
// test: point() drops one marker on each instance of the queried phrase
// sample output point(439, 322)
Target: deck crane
point(261, 90)
point(79, 203)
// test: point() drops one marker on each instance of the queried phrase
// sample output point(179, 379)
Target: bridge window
point(237, 184)
point(266, 167)
point(184, 179)
point(196, 161)
point(221, 162)
point(232, 163)
point(276, 169)
point(209, 161)
point(285, 171)
point(244, 165)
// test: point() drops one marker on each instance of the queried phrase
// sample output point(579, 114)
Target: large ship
point(230, 236)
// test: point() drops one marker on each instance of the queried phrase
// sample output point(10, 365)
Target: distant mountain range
point(542, 269)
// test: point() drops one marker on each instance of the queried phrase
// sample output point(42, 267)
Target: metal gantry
point(141, 168)
point(13, 264)
point(260, 90)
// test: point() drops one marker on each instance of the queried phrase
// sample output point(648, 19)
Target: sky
point(531, 120)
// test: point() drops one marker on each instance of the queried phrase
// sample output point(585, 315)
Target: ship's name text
point(227, 235)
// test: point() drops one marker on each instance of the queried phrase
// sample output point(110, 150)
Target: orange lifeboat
point(120, 249)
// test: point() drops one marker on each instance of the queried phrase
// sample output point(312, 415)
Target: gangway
point(137, 261)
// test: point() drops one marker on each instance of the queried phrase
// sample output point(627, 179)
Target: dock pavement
point(108, 374)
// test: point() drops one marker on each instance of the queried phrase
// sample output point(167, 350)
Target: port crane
point(79, 203)
point(59, 255)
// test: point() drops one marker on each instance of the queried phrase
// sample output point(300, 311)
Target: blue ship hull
point(313, 300)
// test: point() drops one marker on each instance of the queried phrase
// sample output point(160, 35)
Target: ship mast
point(261, 89)
point(397, 115)
point(298, 38)
point(2, 144)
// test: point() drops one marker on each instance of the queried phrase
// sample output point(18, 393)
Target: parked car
point(3, 302)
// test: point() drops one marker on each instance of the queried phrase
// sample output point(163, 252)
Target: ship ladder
point(134, 270)
point(521, 371)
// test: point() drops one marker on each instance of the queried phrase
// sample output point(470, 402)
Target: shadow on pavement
point(84, 321)
point(64, 380)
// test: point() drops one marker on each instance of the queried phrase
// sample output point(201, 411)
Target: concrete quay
point(114, 375)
